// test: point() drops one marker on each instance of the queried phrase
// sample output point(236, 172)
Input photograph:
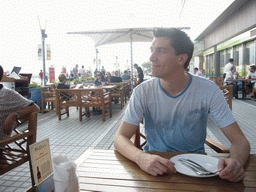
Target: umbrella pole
point(131, 64)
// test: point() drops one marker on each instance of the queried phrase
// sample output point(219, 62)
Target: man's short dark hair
point(135, 65)
point(195, 68)
point(231, 60)
point(180, 41)
point(1, 72)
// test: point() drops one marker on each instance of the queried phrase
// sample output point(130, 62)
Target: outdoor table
point(108, 170)
point(107, 87)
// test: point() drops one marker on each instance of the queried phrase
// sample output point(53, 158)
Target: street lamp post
point(43, 39)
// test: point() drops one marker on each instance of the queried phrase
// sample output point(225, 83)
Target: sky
point(21, 21)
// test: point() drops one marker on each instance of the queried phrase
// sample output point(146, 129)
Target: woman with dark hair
point(100, 79)
point(108, 77)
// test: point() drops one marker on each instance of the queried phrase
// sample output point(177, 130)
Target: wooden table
point(107, 87)
point(107, 170)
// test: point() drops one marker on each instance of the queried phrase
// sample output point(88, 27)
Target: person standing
point(175, 106)
point(140, 73)
point(75, 72)
point(41, 75)
point(82, 71)
point(228, 66)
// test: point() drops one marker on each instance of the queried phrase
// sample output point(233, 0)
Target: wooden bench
point(86, 97)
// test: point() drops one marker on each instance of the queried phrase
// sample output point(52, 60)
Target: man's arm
point(152, 164)
point(12, 117)
point(232, 168)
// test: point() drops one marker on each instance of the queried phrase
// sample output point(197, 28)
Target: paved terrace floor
point(71, 137)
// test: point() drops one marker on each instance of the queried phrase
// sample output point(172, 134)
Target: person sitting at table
point(63, 80)
point(62, 85)
point(12, 106)
point(229, 80)
point(251, 76)
point(108, 77)
point(100, 79)
point(175, 106)
point(125, 76)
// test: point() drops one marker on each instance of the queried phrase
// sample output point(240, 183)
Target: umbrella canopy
point(110, 36)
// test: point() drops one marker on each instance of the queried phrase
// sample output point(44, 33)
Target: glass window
point(250, 53)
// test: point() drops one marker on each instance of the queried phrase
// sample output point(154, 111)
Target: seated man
point(12, 106)
point(175, 106)
point(251, 76)
point(125, 76)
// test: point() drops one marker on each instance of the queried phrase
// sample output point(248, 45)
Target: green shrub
point(34, 85)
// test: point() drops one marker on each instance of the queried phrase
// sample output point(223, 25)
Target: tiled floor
point(71, 138)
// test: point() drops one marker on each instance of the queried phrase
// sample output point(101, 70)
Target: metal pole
point(43, 39)
point(131, 65)
point(97, 59)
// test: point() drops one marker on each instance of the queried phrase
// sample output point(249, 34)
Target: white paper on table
point(65, 177)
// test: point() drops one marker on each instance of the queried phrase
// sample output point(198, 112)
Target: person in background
point(140, 73)
point(41, 75)
point(100, 79)
point(175, 106)
point(125, 76)
point(228, 66)
point(197, 72)
point(82, 72)
point(12, 106)
point(229, 80)
point(63, 81)
point(75, 72)
point(252, 77)
point(108, 77)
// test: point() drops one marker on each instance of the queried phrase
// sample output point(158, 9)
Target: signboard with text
point(41, 160)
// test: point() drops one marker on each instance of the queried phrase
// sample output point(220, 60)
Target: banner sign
point(48, 52)
point(39, 51)
point(51, 74)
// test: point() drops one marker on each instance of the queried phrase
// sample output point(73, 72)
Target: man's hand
point(154, 164)
point(231, 170)
point(8, 123)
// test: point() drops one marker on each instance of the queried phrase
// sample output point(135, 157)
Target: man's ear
point(183, 58)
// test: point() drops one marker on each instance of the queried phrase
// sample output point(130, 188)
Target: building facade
point(231, 35)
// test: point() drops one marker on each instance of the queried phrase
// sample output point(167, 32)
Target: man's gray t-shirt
point(178, 123)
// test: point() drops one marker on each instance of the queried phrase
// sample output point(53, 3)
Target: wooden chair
point(16, 147)
point(118, 93)
point(219, 81)
point(48, 96)
point(228, 94)
point(83, 98)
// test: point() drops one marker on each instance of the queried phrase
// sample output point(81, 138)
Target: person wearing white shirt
point(252, 76)
point(230, 76)
point(228, 66)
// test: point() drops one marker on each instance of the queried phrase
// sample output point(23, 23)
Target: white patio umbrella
point(110, 36)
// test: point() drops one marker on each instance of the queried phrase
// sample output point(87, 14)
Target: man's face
point(163, 59)
point(252, 70)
